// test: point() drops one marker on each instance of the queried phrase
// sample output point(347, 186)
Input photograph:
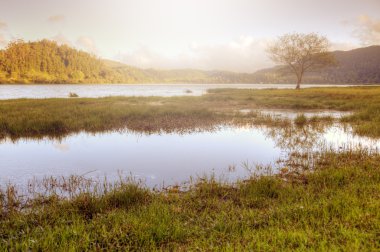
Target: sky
point(229, 35)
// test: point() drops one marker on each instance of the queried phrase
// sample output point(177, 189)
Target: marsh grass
point(59, 117)
point(334, 207)
point(300, 120)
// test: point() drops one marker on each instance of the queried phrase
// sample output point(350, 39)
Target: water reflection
point(291, 114)
point(302, 145)
point(170, 158)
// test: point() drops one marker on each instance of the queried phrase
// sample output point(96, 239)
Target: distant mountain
point(137, 75)
point(47, 62)
point(360, 65)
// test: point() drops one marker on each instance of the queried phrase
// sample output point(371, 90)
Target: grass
point(58, 117)
point(300, 120)
point(336, 207)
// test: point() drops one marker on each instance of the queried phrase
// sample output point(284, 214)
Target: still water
point(102, 90)
point(167, 159)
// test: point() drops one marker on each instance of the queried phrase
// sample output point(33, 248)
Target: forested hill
point(47, 62)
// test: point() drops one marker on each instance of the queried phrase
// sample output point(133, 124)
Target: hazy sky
point(206, 34)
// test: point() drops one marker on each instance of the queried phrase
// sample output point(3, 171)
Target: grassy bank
point(334, 208)
point(57, 117)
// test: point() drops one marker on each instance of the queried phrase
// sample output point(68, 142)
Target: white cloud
point(3, 25)
point(86, 44)
point(3, 41)
point(343, 46)
point(245, 54)
point(142, 57)
point(82, 43)
point(368, 30)
point(61, 39)
point(56, 19)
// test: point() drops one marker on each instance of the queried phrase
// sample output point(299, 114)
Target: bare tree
point(301, 53)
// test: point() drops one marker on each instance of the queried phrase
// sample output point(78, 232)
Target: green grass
point(336, 207)
point(58, 117)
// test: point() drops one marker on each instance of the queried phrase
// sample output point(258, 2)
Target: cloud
point(342, 46)
point(87, 44)
point(61, 40)
point(245, 54)
point(56, 19)
point(145, 58)
point(3, 25)
point(3, 40)
point(5, 35)
point(82, 43)
point(368, 30)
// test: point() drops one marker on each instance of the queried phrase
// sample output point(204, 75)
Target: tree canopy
point(301, 53)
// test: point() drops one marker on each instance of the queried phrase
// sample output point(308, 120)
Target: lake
point(161, 159)
point(102, 90)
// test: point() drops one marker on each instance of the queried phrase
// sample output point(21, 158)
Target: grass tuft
point(73, 95)
point(300, 120)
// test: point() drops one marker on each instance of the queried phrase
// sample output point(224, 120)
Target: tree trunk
point(298, 85)
point(299, 79)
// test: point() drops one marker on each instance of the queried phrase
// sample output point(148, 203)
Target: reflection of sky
point(338, 137)
point(169, 157)
point(291, 114)
point(61, 146)
point(154, 158)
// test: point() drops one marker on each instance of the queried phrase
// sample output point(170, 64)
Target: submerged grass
point(336, 207)
point(58, 117)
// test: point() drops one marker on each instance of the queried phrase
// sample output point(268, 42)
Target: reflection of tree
point(298, 143)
